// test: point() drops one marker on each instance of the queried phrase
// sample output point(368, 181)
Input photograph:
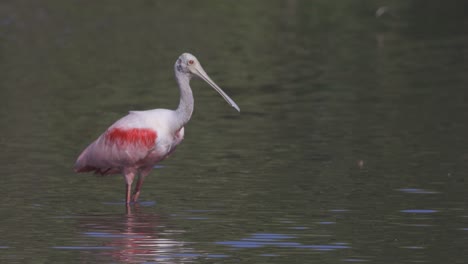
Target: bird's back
point(127, 142)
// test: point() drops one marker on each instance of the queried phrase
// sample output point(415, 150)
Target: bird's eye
point(190, 62)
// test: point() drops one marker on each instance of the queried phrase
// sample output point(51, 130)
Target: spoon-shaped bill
point(202, 74)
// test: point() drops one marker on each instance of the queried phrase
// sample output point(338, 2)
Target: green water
point(351, 145)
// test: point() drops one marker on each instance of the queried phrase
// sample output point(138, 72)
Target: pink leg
point(129, 176)
point(141, 178)
point(136, 192)
point(128, 190)
point(128, 209)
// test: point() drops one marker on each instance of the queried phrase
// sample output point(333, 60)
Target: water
point(350, 147)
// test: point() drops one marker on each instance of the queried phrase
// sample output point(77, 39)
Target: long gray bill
point(202, 74)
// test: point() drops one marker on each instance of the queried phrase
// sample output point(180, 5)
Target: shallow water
point(350, 147)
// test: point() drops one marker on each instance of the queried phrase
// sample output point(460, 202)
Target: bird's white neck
point(185, 109)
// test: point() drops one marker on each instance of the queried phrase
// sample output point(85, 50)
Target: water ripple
point(258, 240)
point(83, 247)
point(354, 260)
point(416, 191)
point(110, 235)
point(419, 211)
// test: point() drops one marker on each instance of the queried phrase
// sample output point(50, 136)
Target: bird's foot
point(135, 197)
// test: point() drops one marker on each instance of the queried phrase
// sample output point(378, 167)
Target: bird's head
point(187, 64)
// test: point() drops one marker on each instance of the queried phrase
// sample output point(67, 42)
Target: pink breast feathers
point(133, 136)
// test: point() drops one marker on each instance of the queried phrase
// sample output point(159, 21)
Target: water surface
point(350, 147)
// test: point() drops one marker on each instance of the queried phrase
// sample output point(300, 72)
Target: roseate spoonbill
point(136, 142)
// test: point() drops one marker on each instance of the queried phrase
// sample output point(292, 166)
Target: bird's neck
point(185, 109)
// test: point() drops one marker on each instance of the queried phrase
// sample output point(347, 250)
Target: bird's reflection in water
point(137, 237)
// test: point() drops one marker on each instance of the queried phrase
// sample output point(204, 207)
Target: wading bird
point(139, 140)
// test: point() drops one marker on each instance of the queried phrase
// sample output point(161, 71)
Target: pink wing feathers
point(143, 137)
point(117, 148)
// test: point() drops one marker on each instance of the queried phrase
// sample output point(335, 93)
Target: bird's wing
point(122, 145)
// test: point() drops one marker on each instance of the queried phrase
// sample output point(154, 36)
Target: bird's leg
point(143, 173)
point(136, 192)
point(128, 209)
point(129, 176)
point(128, 190)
